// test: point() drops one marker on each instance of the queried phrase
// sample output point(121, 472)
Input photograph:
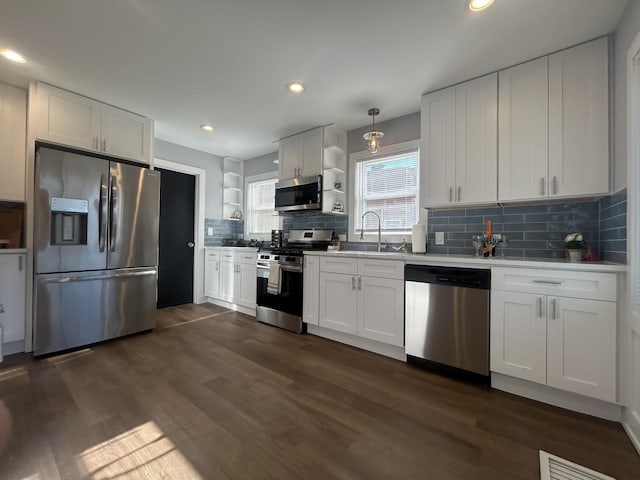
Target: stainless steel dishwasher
point(447, 317)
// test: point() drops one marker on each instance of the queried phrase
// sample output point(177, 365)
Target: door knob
point(191, 244)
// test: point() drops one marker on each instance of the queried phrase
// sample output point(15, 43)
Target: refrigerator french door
point(95, 250)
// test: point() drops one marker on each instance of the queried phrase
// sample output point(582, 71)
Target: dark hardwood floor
point(213, 394)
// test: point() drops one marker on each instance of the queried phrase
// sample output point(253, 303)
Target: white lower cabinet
point(311, 289)
point(12, 297)
point(561, 341)
point(231, 276)
point(367, 301)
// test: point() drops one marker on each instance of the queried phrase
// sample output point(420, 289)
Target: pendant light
point(373, 137)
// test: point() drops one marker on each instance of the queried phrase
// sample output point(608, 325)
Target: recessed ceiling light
point(477, 5)
point(295, 87)
point(207, 128)
point(11, 55)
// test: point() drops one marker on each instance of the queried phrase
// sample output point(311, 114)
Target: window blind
point(388, 186)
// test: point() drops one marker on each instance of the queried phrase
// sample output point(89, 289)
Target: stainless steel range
point(280, 277)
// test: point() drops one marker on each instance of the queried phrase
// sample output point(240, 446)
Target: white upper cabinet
point(554, 125)
point(301, 155)
point(523, 131)
point(68, 119)
point(476, 140)
point(579, 120)
point(437, 155)
point(459, 152)
point(13, 129)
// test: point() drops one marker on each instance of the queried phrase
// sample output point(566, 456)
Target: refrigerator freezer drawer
point(72, 310)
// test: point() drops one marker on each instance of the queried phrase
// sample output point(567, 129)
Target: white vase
point(574, 255)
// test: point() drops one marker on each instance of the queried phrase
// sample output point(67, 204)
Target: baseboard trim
point(631, 425)
point(558, 398)
point(233, 306)
point(390, 351)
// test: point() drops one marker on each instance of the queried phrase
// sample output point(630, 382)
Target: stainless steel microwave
point(304, 193)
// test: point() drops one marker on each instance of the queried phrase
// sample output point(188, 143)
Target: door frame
point(198, 215)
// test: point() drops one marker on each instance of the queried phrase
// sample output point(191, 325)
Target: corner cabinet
point(72, 120)
point(554, 125)
point(556, 328)
point(363, 297)
point(12, 301)
point(13, 130)
point(459, 154)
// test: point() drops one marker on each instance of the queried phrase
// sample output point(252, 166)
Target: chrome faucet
point(379, 228)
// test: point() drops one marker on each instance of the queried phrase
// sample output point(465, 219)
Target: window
point(387, 185)
point(261, 217)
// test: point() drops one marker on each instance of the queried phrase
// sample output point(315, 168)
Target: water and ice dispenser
point(69, 221)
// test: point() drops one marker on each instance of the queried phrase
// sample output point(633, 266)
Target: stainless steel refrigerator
point(95, 250)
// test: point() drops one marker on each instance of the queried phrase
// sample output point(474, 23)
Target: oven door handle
point(287, 268)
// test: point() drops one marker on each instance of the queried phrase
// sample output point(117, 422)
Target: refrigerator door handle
point(127, 273)
point(104, 214)
point(114, 213)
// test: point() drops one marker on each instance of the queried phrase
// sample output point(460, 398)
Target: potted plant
point(574, 244)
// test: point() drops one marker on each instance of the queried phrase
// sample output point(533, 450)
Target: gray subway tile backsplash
point(534, 231)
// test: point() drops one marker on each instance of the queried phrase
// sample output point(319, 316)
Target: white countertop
point(235, 249)
point(478, 262)
point(9, 251)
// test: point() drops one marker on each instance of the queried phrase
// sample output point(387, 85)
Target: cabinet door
point(381, 310)
point(289, 157)
point(228, 287)
point(311, 150)
point(311, 290)
point(13, 130)
point(338, 302)
point(523, 134)
point(212, 278)
point(12, 297)
point(579, 120)
point(519, 335)
point(68, 119)
point(126, 134)
point(581, 343)
point(477, 140)
point(437, 155)
point(247, 284)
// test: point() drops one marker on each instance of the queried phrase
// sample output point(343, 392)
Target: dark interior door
point(175, 269)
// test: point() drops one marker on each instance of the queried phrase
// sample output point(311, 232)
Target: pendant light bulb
point(373, 137)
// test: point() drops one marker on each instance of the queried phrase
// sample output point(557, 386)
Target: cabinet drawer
point(594, 286)
point(211, 255)
point(249, 258)
point(227, 256)
point(339, 265)
point(391, 269)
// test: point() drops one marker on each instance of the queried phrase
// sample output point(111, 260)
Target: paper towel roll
point(418, 238)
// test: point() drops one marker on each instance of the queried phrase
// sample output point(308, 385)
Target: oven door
point(290, 298)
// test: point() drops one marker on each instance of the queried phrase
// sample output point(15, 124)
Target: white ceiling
point(226, 62)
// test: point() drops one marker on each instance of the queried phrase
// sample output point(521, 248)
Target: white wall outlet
point(209, 231)
point(439, 238)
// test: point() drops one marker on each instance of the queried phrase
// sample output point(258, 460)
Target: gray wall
point(396, 130)
point(262, 164)
point(213, 165)
point(625, 34)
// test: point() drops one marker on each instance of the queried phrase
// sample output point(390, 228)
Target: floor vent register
point(556, 468)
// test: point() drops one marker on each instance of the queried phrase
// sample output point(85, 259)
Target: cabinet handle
point(353, 283)
point(547, 282)
point(359, 283)
point(104, 145)
point(20, 263)
point(96, 143)
point(539, 307)
point(555, 185)
point(1, 308)
point(217, 265)
point(542, 186)
point(554, 304)
point(459, 192)
point(451, 194)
